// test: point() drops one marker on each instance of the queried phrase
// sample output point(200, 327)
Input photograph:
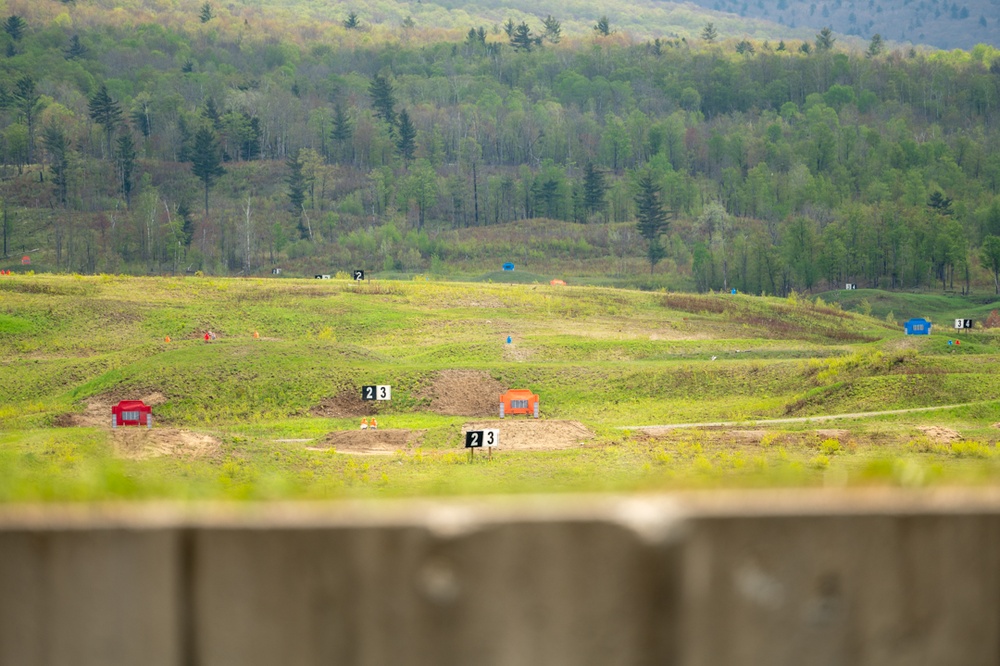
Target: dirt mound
point(371, 441)
point(142, 443)
point(940, 434)
point(534, 434)
point(464, 393)
point(98, 409)
point(840, 435)
point(344, 404)
point(747, 436)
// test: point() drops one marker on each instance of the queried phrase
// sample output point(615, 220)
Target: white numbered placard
point(380, 392)
point(475, 439)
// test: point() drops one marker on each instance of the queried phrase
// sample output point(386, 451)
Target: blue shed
point(918, 327)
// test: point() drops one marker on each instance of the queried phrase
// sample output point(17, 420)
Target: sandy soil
point(464, 393)
point(371, 442)
point(940, 434)
point(136, 442)
point(840, 435)
point(534, 434)
point(141, 443)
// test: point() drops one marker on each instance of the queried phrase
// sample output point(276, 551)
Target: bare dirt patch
point(97, 413)
point(464, 393)
point(344, 404)
point(371, 442)
point(747, 436)
point(940, 434)
point(534, 434)
point(840, 435)
point(142, 443)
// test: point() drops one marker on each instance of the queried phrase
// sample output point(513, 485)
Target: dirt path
point(796, 419)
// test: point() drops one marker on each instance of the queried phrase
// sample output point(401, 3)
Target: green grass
point(609, 358)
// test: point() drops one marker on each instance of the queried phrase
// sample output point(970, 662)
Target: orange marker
point(166, 339)
point(256, 335)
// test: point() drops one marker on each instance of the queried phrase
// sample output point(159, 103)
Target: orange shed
point(518, 401)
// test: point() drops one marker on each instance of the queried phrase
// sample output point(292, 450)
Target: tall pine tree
point(125, 162)
point(342, 132)
point(206, 160)
point(594, 189)
point(383, 100)
point(406, 141)
point(297, 191)
point(651, 218)
point(105, 111)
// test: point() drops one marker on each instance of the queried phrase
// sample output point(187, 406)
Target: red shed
point(131, 413)
point(518, 401)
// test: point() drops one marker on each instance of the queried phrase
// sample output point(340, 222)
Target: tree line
point(744, 164)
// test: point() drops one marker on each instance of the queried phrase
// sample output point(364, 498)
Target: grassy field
point(258, 418)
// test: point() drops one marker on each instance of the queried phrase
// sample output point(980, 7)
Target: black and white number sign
point(475, 439)
point(963, 323)
point(322, 277)
point(381, 392)
point(359, 275)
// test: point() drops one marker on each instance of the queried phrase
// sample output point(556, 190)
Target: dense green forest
point(172, 136)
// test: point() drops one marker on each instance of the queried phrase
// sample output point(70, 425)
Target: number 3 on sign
point(382, 392)
point(491, 437)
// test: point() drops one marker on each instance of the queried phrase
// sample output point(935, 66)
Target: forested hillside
point(944, 24)
point(184, 136)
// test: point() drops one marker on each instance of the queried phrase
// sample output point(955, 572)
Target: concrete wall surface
point(694, 579)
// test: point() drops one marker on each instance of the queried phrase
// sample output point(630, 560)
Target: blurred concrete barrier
point(695, 579)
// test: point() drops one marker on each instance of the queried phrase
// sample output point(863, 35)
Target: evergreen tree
point(15, 27)
point(75, 49)
point(745, 47)
point(825, 40)
point(939, 203)
point(651, 218)
point(351, 22)
point(206, 14)
point(594, 189)
point(187, 224)
point(104, 110)
point(603, 26)
point(125, 161)
point(212, 115)
point(522, 39)
point(383, 100)
point(709, 33)
point(508, 27)
point(57, 146)
point(28, 103)
point(206, 160)
point(875, 46)
point(781, 46)
point(406, 142)
point(297, 191)
point(343, 130)
point(553, 29)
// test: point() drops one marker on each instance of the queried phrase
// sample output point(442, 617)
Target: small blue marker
point(508, 339)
